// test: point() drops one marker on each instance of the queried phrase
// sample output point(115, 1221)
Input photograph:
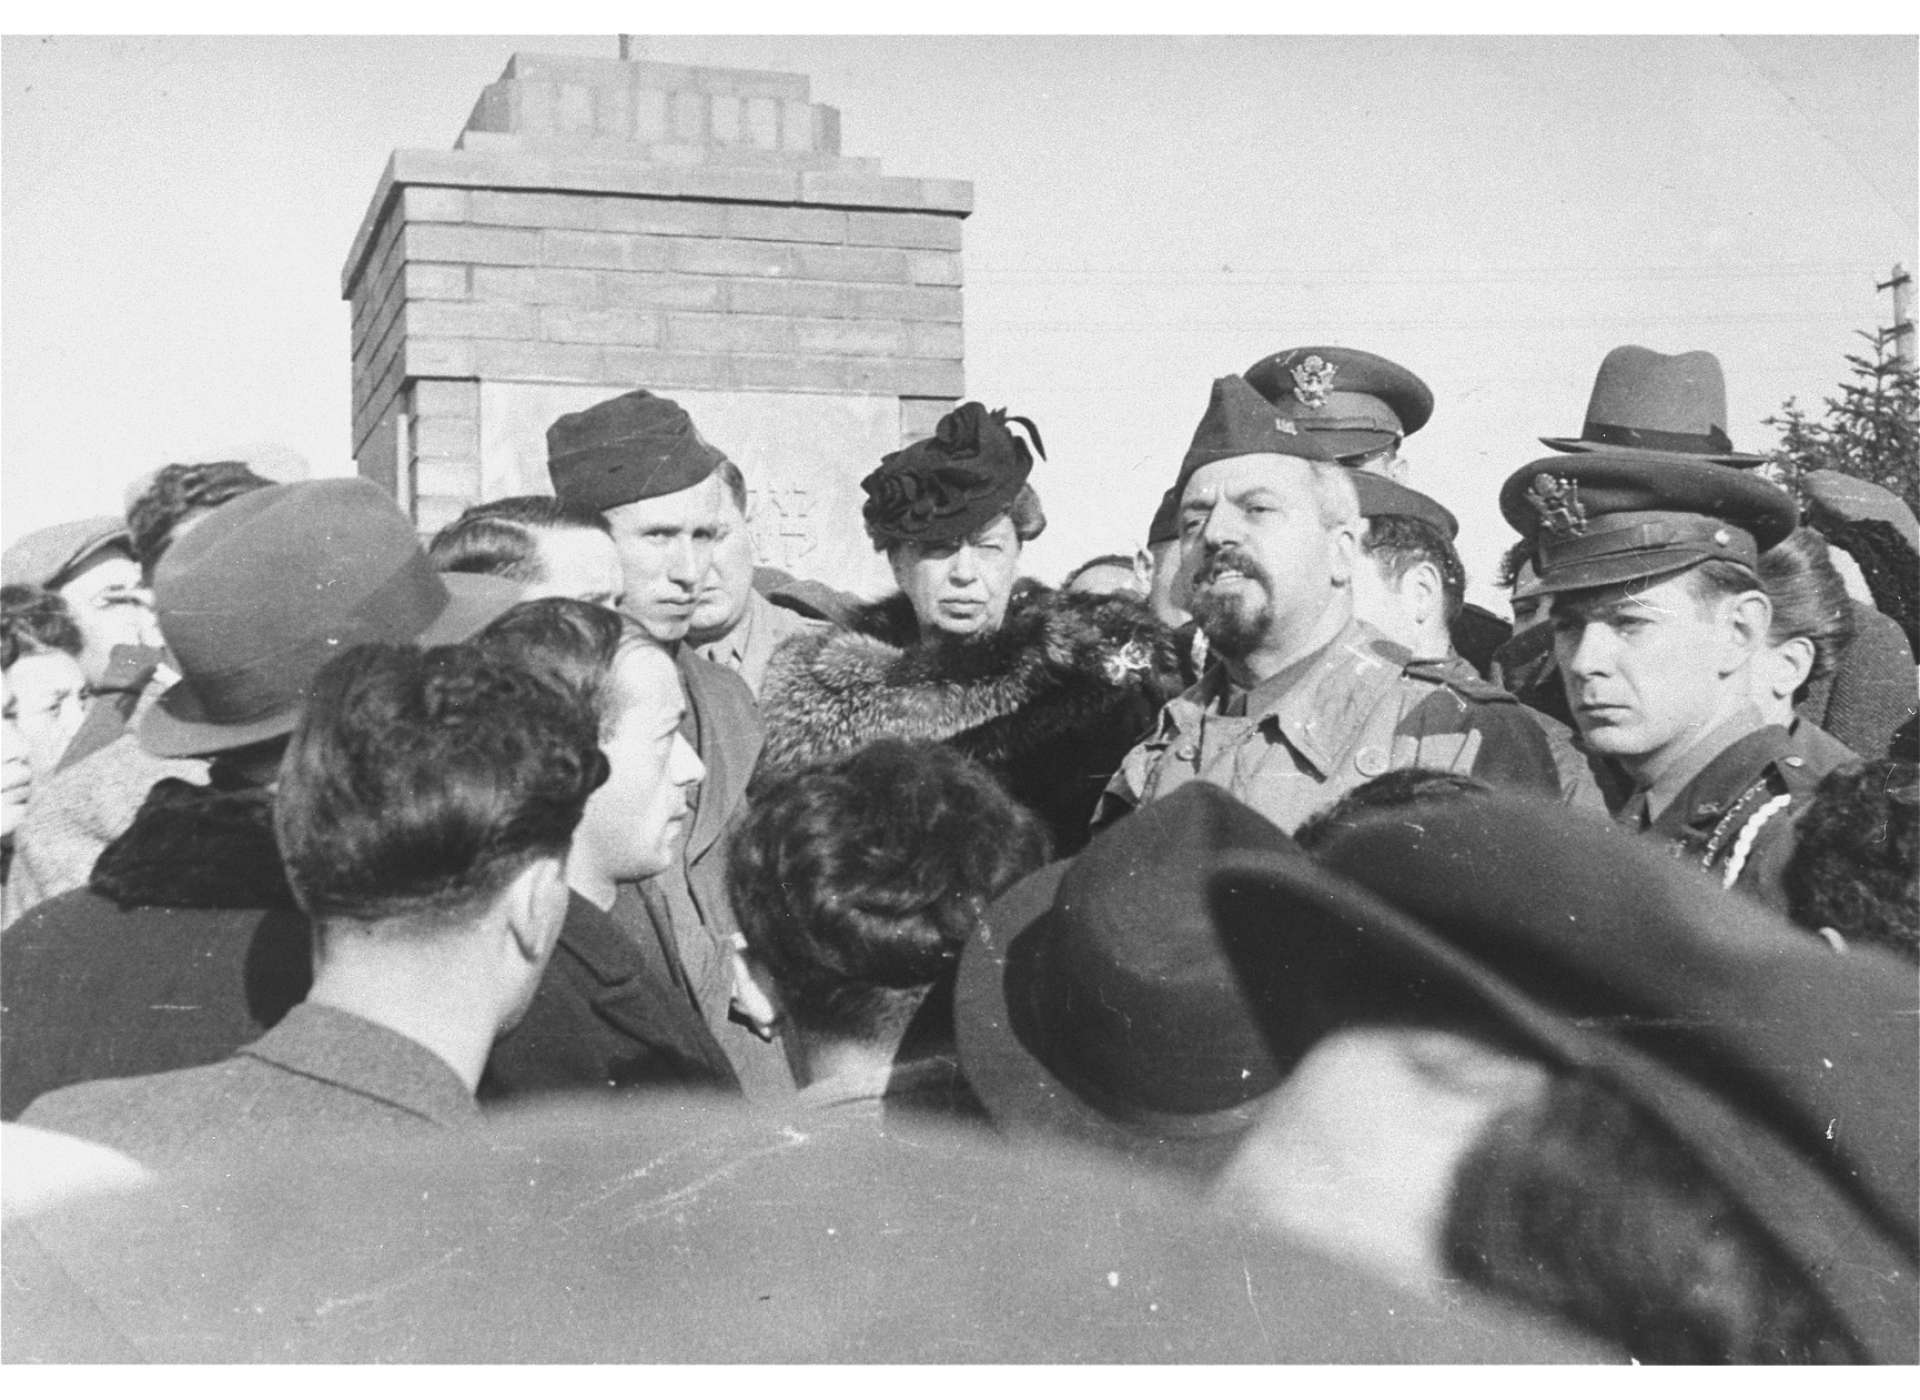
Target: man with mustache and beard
point(1303, 702)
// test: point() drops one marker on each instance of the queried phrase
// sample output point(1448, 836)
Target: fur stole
point(194, 847)
point(1056, 696)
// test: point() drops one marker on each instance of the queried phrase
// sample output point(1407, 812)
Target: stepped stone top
point(659, 130)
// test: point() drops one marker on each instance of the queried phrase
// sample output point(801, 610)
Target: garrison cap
point(1645, 401)
point(1237, 423)
point(941, 489)
point(1352, 401)
point(628, 449)
point(1608, 517)
point(1380, 495)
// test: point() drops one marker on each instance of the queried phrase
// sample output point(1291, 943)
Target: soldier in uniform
point(1658, 615)
point(1301, 702)
point(1410, 584)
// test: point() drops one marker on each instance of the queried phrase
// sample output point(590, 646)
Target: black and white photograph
point(1016, 698)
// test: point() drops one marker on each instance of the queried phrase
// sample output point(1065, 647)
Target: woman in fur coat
point(1048, 690)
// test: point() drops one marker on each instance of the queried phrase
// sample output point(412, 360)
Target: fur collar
point(1071, 654)
point(193, 847)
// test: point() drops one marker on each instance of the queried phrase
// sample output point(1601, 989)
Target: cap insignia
point(1285, 425)
point(1313, 381)
point(1558, 504)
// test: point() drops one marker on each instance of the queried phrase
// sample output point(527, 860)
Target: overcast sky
point(1149, 213)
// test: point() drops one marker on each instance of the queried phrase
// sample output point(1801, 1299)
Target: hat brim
point(1800, 1207)
point(1613, 570)
point(1352, 442)
point(178, 726)
point(1028, 1101)
point(1725, 459)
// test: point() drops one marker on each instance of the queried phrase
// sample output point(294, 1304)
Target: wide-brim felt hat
point(1095, 1002)
point(1603, 518)
point(1352, 401)
point(1644, 401)
point(46, 555)
point(1789, 1074)
point(266, 588)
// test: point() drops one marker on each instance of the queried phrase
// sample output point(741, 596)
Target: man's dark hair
point(422, 782)
point(857, 881)
point(179, 491)
point(1809, 600)
point(1399, 788)
point(735, 483)
point(500, 537)
point(1856, 866)
point(567, 641)
point(1516, 557)
point(1580, 1205)
point(1398, 542)
point(1889, 565)
point(34, 620)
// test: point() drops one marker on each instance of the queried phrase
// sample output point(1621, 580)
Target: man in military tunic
point(1302, 702)
point(1657, 617)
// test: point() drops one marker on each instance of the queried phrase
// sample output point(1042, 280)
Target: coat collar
point(195, 847)
point(336, 1047)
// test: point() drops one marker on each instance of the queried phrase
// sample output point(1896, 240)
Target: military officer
point(1658, 615)
point(1301, 701)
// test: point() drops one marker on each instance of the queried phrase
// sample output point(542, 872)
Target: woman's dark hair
point(420, 783)
point(571, 642)
point(1856, 865)
point(1581, 1206)
point(178, 492)
point(1889, 565)
point(34, 620)
point(500, 537)
point(1809, 600)
point(857, 881)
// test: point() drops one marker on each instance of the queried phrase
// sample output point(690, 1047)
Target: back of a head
point(1584, 1207)
point(1855, 868)
point(568, 641)
point(419, 783)
point(1809, 598)
point(32, 620)
point(177, 493)
point(1398, 542)
point(857, 881)
point(500, 537)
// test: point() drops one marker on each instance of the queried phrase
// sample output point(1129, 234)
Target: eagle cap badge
point(1313, 381)
point(1557, 501)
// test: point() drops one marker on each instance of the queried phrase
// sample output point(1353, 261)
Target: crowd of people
point(1573, 958)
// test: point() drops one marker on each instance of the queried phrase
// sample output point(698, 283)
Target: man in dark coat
point(1048, 690)
point(187, 944)
point(639, 460)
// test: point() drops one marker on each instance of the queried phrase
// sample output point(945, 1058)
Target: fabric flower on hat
point(943, 488)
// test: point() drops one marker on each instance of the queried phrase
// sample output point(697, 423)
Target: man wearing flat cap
point(639, 460)
point(1658, 614)
point(1303, 701)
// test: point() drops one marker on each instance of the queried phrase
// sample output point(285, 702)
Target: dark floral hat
point(941, 489)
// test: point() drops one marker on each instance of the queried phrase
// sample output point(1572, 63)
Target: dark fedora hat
point(1645, 401)
point(263, 590)
point(1787, 1073)
point(1096, 1001)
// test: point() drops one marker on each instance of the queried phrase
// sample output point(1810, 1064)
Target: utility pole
point(628, 51)
point(1901, 284)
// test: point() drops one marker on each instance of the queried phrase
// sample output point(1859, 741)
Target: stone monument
point(605, 225)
